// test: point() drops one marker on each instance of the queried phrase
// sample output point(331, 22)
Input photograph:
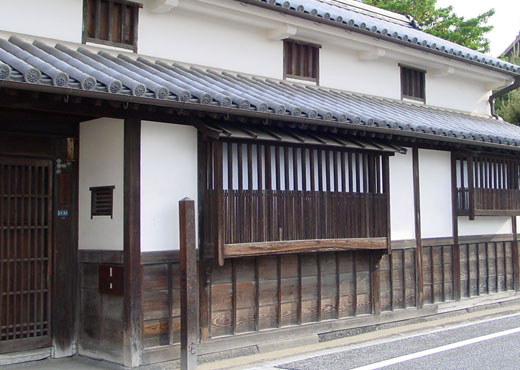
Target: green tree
point(508, 106)
point(443, 22)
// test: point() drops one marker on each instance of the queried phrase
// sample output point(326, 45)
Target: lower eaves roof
point(158, 82)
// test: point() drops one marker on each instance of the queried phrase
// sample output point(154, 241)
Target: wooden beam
point(302, 246)
point(418, 234)
point(133, 310)
point(189, 285)
point(455, 229)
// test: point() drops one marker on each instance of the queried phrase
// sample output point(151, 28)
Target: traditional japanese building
point(346, 168)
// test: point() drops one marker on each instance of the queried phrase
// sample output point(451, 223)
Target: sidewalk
point(266, 360)
point(269, 359)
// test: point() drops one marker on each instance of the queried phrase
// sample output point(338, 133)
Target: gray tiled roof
point(81, 68)
point(376, 24)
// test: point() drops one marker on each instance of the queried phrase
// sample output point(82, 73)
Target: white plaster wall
point(194, 38)
point(59, 19)
point(457, 93)
point(435, 188)
point(401, 197)
point(101, 144)
point(168, 174)
point(341, 68)
point(484, 225)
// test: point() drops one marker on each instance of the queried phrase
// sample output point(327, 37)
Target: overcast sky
point(506, 20)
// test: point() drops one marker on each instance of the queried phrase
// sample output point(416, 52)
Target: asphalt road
point(492, 344)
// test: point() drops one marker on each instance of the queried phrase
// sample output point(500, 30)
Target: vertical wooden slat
point(297, 209)
point(403, 276)
point(338, 285)
point(516, 270)
point(97, 26)
point(8, 257)
point(391, 267)
point(287, 212)
point(375, 259)
point(279, 291)
point(231, 199)
point(16, 306)
point(234, 295)
point(269, 186)
point(279, 210)
point(495, 248)
point(240, 223)
point(170, 303)
point(355, 280)
point(257, 295)
point(252, 217)
point(471, 188)
point(41, 251)
point(123, 22)
point(294, 59)
point(313, 217)
point(487, 268)
point(318, 261)
point(300, 291)
point(23, 254)
point(261, 193)
point(443, 275)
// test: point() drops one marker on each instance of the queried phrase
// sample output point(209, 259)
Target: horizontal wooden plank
point(302, 246)
point(158, 257)
point(497, 212)
point(433, 242)
point(100, 256)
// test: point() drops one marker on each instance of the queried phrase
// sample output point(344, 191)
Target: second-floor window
point(301, 60)
point(412, 84)
point(111, 22)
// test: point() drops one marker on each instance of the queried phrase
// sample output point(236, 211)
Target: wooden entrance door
point(25, 253)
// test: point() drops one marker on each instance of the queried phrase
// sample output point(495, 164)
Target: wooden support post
point(516, 269)
point(418, 234)
point(132, 279)
point(455, 229)
point(189, 285)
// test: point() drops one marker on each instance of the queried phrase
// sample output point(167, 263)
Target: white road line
point(412, 356)
point(370, 343)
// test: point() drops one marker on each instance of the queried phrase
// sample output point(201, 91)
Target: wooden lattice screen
point(25, 253)
point(261, 192)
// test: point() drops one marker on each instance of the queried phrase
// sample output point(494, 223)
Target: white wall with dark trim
point(101, 151)
point(435, 188)
point(168, 174)
point(401, 197)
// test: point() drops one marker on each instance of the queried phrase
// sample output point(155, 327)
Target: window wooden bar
point(111, 22)
point(301, 60)
point(306, 196)
point(487, 186)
